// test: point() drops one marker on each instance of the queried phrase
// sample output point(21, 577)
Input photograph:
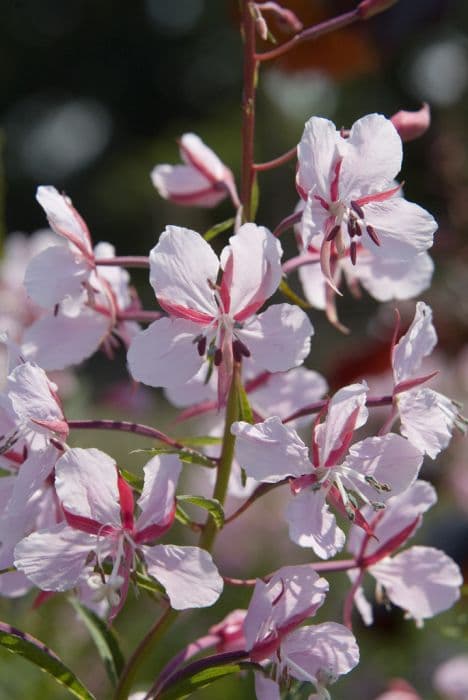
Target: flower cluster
point(74, 520)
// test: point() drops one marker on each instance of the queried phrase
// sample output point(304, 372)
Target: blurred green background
point(93, 95)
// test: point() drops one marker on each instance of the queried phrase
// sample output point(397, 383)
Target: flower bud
point(368, 8)
point(412, 125)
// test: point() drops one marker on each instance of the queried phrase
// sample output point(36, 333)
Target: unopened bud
point(412, 125)
point(368, 8)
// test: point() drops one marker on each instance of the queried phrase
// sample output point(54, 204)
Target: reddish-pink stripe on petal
point(127, 504)
point(152, 532)
point(184, 312)
point(378, 197)
point(392, 544)
point(88, 525)
point(345, 439)
point(334, 187)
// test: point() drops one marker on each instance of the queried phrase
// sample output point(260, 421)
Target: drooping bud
point(368, 8)
point(412, 125)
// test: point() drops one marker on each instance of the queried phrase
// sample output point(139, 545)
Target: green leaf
point(31, 649)
point(189, 456)
point(104, 639)
point(200, 441)
point(136, 482)
point(218, 228)
point(245, 410)
point(213, 506)
point(255, 199)
point(186, 686)
point(292, 296)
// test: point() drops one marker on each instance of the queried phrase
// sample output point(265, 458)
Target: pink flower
point(371, 470)
point(317, 654)
point(383, 277)
point(422, 580)
point(98, 508)
point(83, 302)
point(352, 202)
point(217, 322)
point(203, 181)
point(427, 417)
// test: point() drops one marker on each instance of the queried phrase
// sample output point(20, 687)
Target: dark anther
point(352, 252)
point(333, 233)
point(358, 209)
point(201, 345)
point(218, 357)
point(56, 309)
point(373, 234)
point(239, 350)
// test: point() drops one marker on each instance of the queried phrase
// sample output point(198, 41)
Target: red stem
point(124, 426)
point(276, 162)
point(248, 108)
point(320, 567)
point(124, 261)
point(299, 261)
point(310, 33)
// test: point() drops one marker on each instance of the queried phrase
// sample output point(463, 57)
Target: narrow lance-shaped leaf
point(218, 228)
point(212, 505)
point(290, 294)
point(189, 456)
point(23, 644)
point(104, 639)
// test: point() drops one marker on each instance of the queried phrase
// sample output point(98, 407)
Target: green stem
point(142, 652)
point(227, 454)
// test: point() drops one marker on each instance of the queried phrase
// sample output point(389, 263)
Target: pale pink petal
point(86, 484)
point(360, 601)
point(291, 595)
point(422, 580)
point(400, 512)
point(451, 678)
point(200, 156)
point(56, 342)
point(270, 451)
point(157, 500)
point(183, 271)
point(188, 574)
point(279, 338)
point(64, 219)
point(286, 392)
point(390, 460)
point(54, 274)
point(183, 184)
point(165, 353)
point(194, 390)
point(13, 584)
point(417, 343)
point(252, 266)
point(19, 514)
point(317, 153)
point(404, 228)
point(387, 279)
point(265, 688)
point(314, 285)
point(54, 559)
point(312, 525)
point(320, 653)
point(117, 277)
point(372, 157)
point(32, 397)
point(346, 412)
point(427, 419)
